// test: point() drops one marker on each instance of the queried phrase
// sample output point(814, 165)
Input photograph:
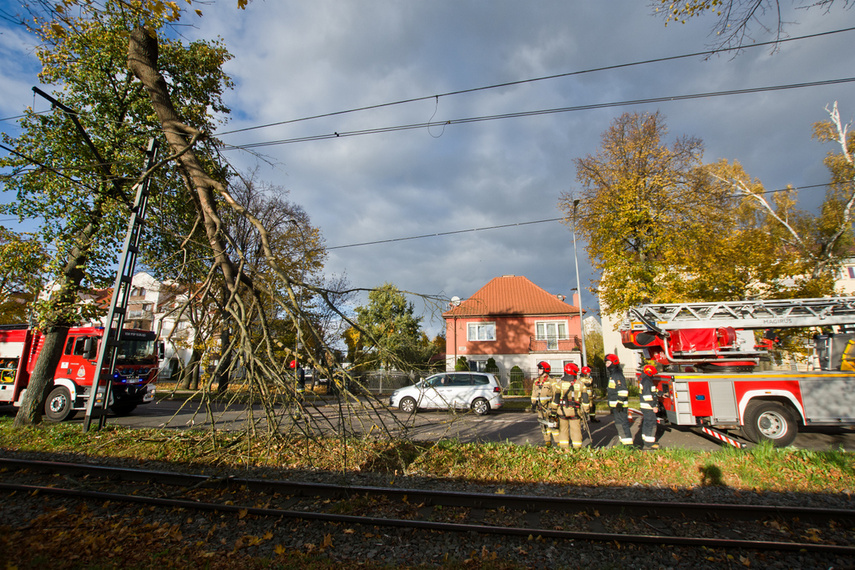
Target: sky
point(485, 192)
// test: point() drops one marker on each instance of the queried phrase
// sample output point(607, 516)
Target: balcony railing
point(550, 344)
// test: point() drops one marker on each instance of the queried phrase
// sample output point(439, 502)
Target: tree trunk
point(41, 380)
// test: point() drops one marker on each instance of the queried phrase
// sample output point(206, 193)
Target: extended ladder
point(111, 340)
point(760, 314)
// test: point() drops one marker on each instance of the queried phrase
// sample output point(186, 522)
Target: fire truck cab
point(708, 360)
point(133, 379)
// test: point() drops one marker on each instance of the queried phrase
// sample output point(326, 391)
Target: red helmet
point(586, 370)
point(546, 367)
point(650, 370)
point(571, 369)
point(292, 364)
point(612, 358)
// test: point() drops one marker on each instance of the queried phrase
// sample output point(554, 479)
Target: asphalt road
point(516, 427)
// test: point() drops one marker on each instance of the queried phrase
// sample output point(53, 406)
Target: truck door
point(79, 359)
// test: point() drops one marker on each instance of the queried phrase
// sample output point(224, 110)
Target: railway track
point(694, 525)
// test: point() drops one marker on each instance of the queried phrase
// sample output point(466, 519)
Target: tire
point(481, 406)
point(58, 404)
point(407, 405)
point(123, 409)
point(770, 421)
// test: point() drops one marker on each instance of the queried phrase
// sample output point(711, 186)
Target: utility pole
point(579, 287)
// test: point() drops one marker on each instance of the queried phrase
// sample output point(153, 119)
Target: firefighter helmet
point(545, 366)
point(650, 370)
point(586, 370)
point(612, 359)
point(292, 364)
point(571, 369)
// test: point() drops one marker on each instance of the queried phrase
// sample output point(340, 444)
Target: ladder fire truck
point(133, 380)
point(708, 359)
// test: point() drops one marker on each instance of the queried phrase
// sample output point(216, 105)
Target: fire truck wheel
point(58, 404)
point(770, 421)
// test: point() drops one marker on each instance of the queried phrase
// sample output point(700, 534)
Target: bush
point(517, 382)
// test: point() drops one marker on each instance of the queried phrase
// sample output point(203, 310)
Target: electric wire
point(518, 114)
point(707, 53)
point(510, 225)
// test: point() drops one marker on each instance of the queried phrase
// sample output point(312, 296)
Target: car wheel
point(770, 421)
point(407, 405)
point(58, 404)
point(481, 406)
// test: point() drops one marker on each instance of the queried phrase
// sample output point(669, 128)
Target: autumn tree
point(22, 266)
point(738, 20)
point(641, 202)
point(708, 232)
point(808, 248)
point(391, 331)
point(74, 168)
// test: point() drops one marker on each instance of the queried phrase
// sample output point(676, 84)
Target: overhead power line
point(592, 106)
point(512, 225)
point(453, 232)
point(707, 53)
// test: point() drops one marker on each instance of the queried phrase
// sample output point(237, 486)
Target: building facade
point(517, 324)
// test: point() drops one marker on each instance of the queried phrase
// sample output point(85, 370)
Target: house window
point(851, 271)
point(551, 332)
point(481, 331)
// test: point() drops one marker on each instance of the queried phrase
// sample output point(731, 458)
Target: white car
point(478, 391)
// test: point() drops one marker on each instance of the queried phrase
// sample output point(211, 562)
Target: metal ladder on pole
point(760, 314)
point(99, 397)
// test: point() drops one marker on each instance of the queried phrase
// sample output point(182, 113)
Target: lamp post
point(578, 286)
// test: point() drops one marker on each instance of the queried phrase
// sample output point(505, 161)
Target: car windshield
point(136, 350)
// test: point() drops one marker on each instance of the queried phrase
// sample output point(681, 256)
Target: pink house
point(515, 322)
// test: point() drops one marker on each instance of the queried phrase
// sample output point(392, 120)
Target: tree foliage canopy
point(662, 226)
point(390, 331)
point(737, 20)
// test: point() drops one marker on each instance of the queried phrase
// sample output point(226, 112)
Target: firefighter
point(541, 395)
point(649, 406)
point(566, 405)
point(589, 407)
point(299, 376)
point(618, 393)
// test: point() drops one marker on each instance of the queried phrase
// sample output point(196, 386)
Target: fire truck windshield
point(136, 350)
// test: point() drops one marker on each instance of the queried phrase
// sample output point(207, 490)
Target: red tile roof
point(511, 295)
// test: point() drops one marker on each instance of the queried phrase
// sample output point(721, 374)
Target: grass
point(763, 468)
point(502, 465)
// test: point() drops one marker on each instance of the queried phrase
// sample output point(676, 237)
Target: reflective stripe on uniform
point(648, 438)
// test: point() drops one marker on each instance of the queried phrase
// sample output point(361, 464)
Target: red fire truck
point(709, 360)
point(133, 380)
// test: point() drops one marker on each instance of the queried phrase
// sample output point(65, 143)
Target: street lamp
point(578, 286)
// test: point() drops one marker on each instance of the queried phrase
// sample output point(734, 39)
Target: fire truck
point(133, 380)
point(709, 360)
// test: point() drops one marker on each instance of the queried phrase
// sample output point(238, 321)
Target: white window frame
point(477, 328)
point(541, 332)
